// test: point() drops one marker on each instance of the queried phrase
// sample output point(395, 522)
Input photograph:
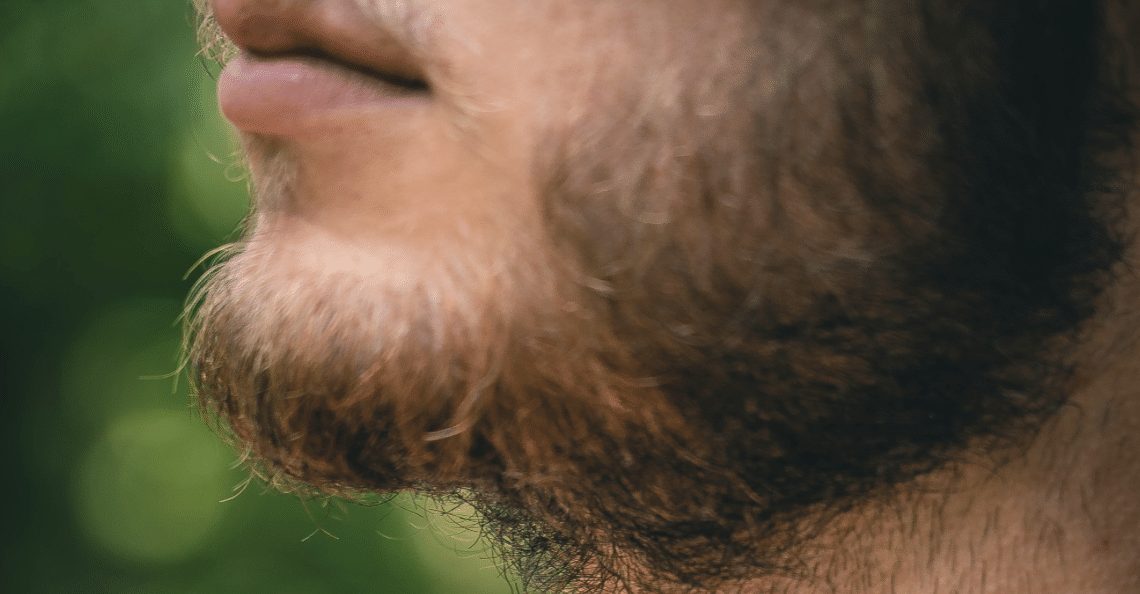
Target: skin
point(1059, 518)
point(632, 283)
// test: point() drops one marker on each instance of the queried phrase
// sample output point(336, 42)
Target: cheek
point(521, 73)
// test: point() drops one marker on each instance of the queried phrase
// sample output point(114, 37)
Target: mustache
point(213, 45)
point(414, 25)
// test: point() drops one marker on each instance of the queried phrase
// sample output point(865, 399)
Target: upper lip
point(335, 30)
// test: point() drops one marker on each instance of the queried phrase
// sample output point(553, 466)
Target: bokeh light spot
point(149, 488)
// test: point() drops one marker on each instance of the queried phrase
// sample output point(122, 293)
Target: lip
point(287, 95)
point(307, 64)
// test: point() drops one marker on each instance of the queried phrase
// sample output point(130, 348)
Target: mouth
point(406, 79)
point(306, 65)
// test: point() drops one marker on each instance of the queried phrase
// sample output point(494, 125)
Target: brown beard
point(726, 328)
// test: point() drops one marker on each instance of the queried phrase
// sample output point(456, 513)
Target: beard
point(721, 330)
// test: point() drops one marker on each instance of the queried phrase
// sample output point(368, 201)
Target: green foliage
point(117, 175)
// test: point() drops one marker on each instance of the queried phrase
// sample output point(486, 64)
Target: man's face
point(656, 282)
point(411, 180)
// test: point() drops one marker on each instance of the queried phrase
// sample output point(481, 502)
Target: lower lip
point(283, 96)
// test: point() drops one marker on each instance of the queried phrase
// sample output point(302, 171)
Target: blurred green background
point(116, 175)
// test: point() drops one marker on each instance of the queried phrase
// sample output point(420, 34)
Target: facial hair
point(728, 324)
